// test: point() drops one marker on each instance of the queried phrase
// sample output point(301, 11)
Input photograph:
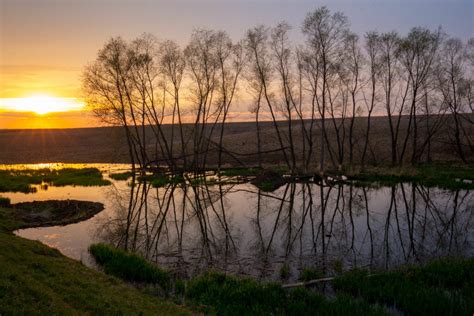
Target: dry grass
point(107, 145)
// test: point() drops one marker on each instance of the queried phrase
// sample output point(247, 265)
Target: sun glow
point(41, 104)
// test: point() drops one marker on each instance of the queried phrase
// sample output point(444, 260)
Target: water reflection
point(242, 230)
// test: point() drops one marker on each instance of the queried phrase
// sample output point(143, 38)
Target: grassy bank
point(442, 287)
point(130, 267)
point(216, 293)
point(23, 180)
point(445, 176)
point(226, 295)
point(212, 177)
point(38, 280)
point(121, 176)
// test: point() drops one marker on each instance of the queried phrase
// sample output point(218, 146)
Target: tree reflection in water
point(242, 230)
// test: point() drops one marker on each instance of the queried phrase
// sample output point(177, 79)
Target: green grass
point(249, 172)
point(123, 176)
point(38, 280)
point(235, 172)
point(445, 176)
point(308, 274)
point(202, 180)
point(22, 180)
point(161, 180)
point(269, 180)
point(216, 293)
point(443, 287)
point(267, 186)
point(444, 273)
point(130, 267)
point(285, 272)
point(8, 222)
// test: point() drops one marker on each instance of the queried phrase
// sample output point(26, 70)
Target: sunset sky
point(45, 44)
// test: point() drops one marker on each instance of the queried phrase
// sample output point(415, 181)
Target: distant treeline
point(323, 84)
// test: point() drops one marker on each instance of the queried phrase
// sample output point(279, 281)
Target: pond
point(240, 229)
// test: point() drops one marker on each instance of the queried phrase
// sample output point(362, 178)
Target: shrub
point(129, 267)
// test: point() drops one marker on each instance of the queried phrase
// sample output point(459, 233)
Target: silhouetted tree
point(325, 34)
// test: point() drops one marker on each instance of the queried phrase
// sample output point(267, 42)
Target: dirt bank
point(54, 212)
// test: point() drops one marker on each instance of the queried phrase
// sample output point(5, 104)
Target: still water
point(242, 230)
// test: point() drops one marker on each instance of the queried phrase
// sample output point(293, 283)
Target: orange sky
point(45, 44)
point(17, 82)
point(28, 120)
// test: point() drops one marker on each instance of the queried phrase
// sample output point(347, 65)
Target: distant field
point(107, 144)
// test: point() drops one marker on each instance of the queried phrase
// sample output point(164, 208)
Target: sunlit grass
point(23, 180)
point(38, 280)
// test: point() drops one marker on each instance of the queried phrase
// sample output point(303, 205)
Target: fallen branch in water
point(307, 283)
point(312, 282)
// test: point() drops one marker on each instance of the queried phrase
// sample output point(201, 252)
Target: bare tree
point(110, 87)
point(325, 33)
point(230, 59)
point(203, 67)
point(144, 75)
point(455, 88)
point(373, 52)
point(283, 60)
point(417, 52)
point(143, 84)
point(172, 66)
point(261, 71)
point(354, 65)
point(310, 73)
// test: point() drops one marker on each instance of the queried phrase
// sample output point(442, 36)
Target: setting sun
point(41, 104)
